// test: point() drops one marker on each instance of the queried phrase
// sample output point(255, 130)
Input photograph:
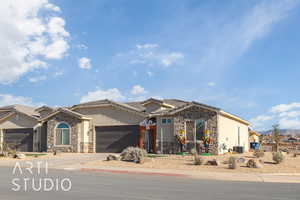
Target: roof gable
point(66, 111)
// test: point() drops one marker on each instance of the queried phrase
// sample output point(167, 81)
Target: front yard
point(178, 162)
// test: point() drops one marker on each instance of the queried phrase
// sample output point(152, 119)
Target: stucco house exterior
point(160, 126)
point(17, 125)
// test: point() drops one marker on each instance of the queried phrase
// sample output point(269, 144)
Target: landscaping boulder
point(252, 163)
point(20, 156)
point(112, 157)
point(213, 162)
point(232, 164)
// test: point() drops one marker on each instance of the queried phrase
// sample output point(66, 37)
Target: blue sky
point(241, 56)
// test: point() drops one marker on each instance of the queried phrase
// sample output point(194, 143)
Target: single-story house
point(166, 126)
point(17, 126)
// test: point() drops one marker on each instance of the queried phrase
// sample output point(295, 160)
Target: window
point(63, 134)
point(166, 121)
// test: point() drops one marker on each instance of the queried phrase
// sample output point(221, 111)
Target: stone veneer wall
point(75, 132)
point(193, 113)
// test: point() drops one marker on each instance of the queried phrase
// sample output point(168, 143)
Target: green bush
point(278, 157)
point(134, 154)
point(232, 164)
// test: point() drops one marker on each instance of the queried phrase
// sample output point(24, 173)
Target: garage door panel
point(19, 139)
point(114, 139)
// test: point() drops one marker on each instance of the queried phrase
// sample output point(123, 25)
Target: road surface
point(109, 186)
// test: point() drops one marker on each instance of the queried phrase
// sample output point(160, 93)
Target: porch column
point(141, 137)
point(153, 132)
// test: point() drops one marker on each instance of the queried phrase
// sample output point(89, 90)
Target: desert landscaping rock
point(213, 162)
point(186, 163)
point(20, 156)
point(112, 157)
point(252, 163)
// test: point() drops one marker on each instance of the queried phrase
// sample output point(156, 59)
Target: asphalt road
point(106, 186)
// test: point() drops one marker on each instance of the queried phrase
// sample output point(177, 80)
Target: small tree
point(276, 136)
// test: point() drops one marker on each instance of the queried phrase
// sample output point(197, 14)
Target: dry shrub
point(254, 163)
point(278, 157)
point(133, 154)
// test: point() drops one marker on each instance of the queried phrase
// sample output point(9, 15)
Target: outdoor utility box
point(238, 149)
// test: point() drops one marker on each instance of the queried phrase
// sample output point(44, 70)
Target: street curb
point(131, 172)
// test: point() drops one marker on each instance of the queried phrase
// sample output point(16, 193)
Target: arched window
point(63, 134)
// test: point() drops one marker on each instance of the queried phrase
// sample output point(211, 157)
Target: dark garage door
point(19, 139)
point(114, 139)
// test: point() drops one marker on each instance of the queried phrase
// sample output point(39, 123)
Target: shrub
point(134, 154)
point(259, 153)
point(232, 164)
point(254, 163)
point(198, 160)
point(278, 157)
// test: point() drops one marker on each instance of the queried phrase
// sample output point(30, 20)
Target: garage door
point(19, 139)
point(114, 139)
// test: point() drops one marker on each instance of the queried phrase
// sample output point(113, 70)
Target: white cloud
point(285, 107)
point(84, 63)
point(29, 34)
point(151, 55)
point(211, 84)
point(171, 58)
point(290, 123)
point(37, 79)
point(286, 115)
point(112, 94)
point(8, 99)
point(137, 90)
point(290, 114)
point(52, 7)
point(147, 46)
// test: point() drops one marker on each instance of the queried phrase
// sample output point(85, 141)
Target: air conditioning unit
point(238, 149)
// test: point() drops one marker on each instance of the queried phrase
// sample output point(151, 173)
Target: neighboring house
point(17, 125)
point(109, 126)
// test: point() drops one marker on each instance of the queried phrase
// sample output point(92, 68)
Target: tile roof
point(28, 110)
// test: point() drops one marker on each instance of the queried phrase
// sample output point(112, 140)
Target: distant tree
point(276, 136)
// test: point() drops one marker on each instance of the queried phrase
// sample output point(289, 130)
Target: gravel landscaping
point(178, 162)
